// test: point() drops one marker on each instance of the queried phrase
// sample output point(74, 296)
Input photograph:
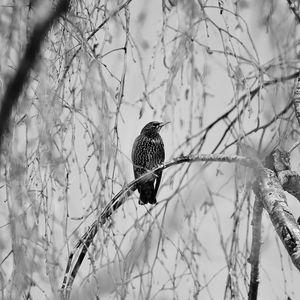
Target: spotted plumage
point(147, 153)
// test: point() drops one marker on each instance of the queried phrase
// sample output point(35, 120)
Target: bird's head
point(153, 127)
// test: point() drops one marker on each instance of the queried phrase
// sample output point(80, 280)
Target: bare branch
point(15, 86)
point(296, 98)
point(255, 249)
point(294, 6)
point(112, 14)
point(279, 162)
point(119, 200)
point(269, 190)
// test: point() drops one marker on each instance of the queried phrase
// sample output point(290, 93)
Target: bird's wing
point(137, 160)
point(159, 173)
point(157, 182)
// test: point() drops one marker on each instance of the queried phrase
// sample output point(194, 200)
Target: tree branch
point(269, 190)
point(15, 86)
point(294, 6)
point(279, 162)
point(296, 98)
point(119, 199)
point(255, 249)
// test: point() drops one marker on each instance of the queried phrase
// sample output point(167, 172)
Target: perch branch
point(87, 238)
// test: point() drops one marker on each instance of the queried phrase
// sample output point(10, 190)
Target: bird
point(148, 153)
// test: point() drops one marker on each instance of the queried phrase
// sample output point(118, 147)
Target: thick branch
point(269, 190)
point(279, 162)
point(15, 86)
point(255, 249)
point(294, 6)
point(296, 98)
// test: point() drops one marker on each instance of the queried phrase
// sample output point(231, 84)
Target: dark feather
point(148, 153)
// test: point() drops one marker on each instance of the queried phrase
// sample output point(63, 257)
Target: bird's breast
point(148, 152)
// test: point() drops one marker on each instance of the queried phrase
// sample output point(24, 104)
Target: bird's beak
point(162, 124)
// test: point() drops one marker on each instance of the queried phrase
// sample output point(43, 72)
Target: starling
point(148, 153)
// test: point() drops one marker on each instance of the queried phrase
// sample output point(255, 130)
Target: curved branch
point(15, 86)
point(119, 199)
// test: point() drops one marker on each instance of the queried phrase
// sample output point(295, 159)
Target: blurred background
point(222, 72)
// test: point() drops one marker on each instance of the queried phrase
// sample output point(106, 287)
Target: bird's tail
point(147, 193)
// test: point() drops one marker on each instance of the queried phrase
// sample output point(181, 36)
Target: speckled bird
point(148, 153)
